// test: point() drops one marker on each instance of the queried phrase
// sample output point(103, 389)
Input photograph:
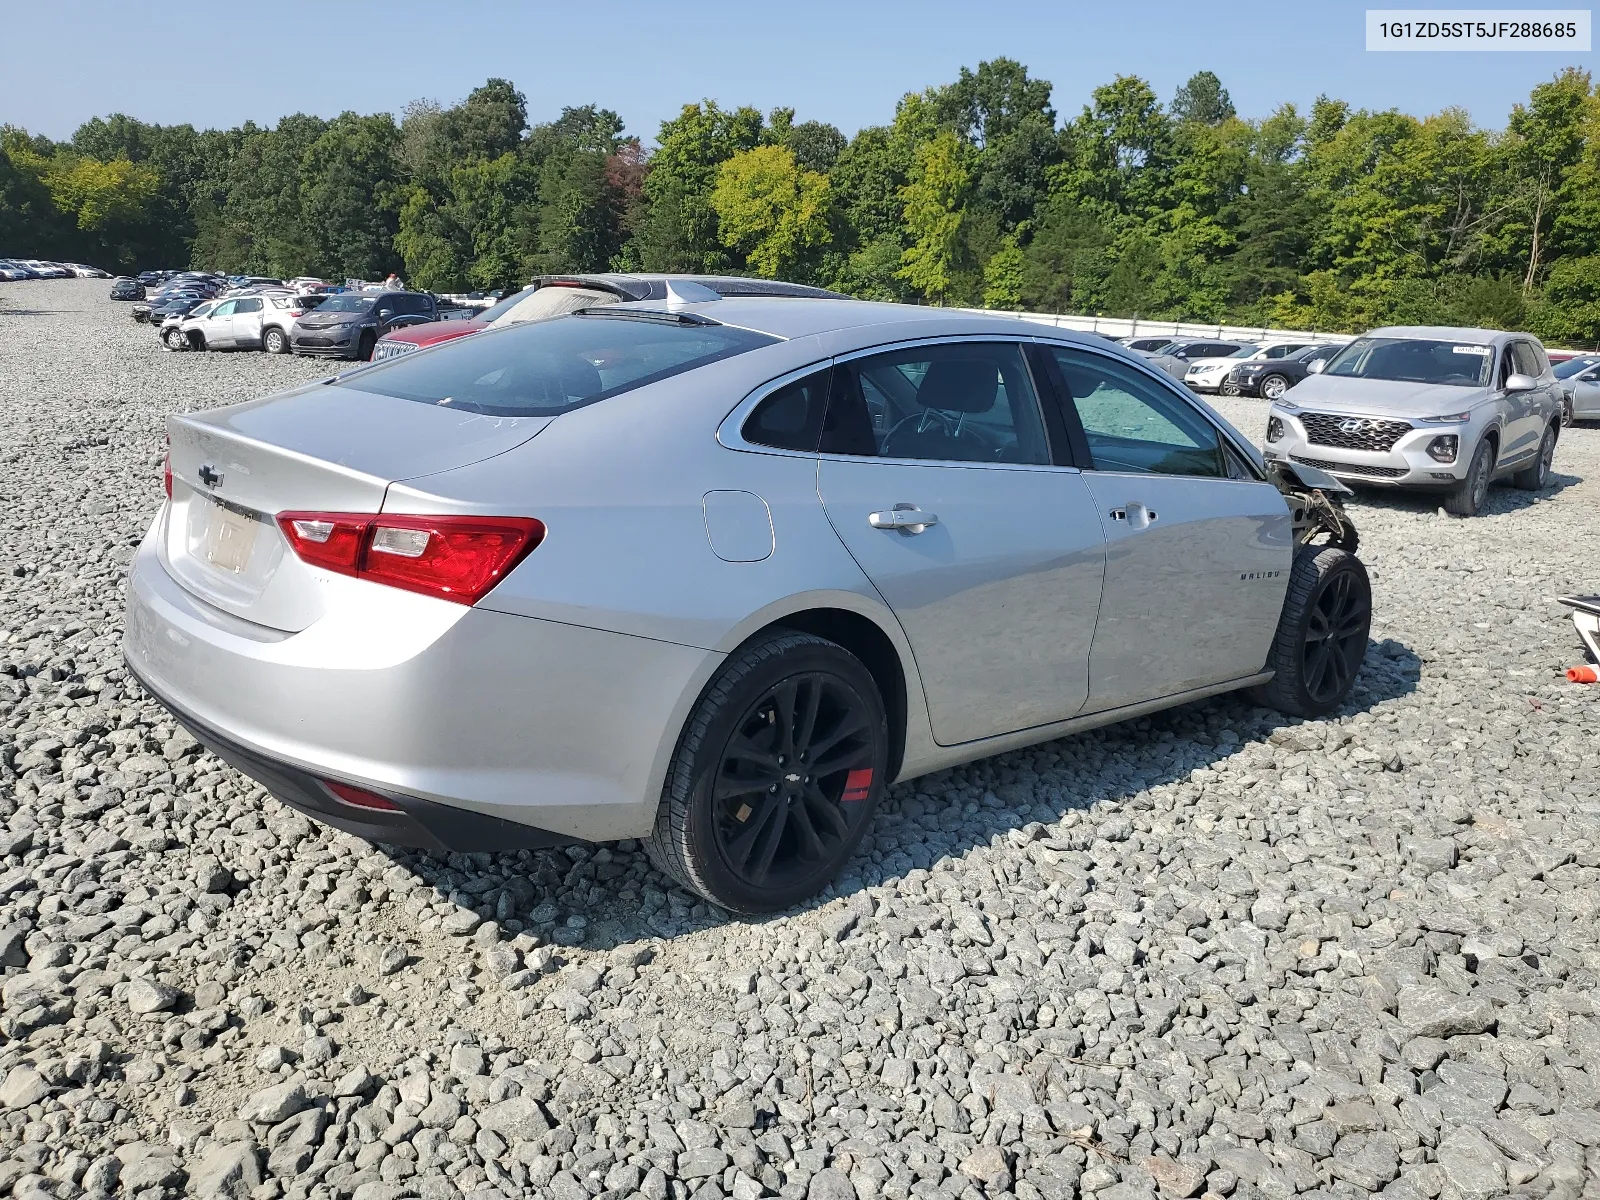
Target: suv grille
point(1350, 468)
point(1353, 433)
point(385, 350)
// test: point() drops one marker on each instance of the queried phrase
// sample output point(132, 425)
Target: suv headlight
point(1451, 419)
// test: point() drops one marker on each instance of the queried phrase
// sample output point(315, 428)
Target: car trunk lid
point(320, 448)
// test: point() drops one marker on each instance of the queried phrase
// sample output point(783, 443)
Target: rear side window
point(247, 306)
point(791, 417)
point(542, 368)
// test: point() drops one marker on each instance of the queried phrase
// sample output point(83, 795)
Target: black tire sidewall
point(1288, 690)
point(725, 887)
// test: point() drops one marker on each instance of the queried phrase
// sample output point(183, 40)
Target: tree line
point(976, 193)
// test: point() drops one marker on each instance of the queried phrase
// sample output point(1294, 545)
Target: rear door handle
point(906, 517)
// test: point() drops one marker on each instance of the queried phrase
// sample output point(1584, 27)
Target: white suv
point(241, 323)
point(1210, 374)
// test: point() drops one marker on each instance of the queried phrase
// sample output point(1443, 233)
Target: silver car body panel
point(558, 699)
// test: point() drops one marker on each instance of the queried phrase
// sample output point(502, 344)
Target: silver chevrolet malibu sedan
point(713, 573)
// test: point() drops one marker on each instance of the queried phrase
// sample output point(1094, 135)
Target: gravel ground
point(1209, 952)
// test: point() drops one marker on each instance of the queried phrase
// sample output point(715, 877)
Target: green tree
point(350, 197)
point(770, 209)
point(678, 231)
point(1203, 100)
point(934, 207)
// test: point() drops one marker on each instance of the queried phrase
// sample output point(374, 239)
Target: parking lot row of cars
point(13, 269)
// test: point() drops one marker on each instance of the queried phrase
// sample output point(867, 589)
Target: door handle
point(1136, 515)
point(906, 517)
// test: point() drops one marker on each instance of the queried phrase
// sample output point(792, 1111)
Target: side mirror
point(1316, 366)
point(1518, 382)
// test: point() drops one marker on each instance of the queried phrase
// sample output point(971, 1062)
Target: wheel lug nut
point(773, 788)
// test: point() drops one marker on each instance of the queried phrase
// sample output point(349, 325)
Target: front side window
point(967, 402)
point(1526, 359)
point(542, 368)
point(225, 309)
point(791, 417)
point(1133, 424)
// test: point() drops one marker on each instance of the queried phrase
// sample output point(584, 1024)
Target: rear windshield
point(1415, 360)
point(542, 368)
point(348, 303)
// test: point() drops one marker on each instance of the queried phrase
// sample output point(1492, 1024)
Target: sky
point(832, 60)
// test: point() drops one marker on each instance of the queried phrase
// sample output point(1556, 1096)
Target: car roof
point(792, 317)
point(654, 286)
point(1445, 333)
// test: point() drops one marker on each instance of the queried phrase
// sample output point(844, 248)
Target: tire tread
point(1312, 565)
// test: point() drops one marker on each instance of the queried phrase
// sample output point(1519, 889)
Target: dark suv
point(348, 324)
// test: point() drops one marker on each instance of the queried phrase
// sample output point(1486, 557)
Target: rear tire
point(1537, 477)
point(1322, 634)
point(743, 820)
point(1467, 498)
point(274, 341)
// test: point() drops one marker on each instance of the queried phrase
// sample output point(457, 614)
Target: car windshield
point(1245, 352)
point(1575, 366)
point(202, 309)
point(1414, 360)
point(542, 368)
point(347, 304)
point(1309, 353)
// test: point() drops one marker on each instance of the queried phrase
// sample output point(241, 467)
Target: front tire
point(1273, 387)
point(364, 347)
point(1322, 634)
point(1467, 498)
point(174, 340)
point(776, 775)
point(273, 341)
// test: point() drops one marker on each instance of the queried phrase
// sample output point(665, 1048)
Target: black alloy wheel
point(794, 774)
point(1322, 633)
point(1336, 637)
point(776, 775)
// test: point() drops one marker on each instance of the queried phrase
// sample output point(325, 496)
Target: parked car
point(234, 323)
point(1426, 407)
point(151, 278)
point(178, 306)
point(1175, 358)
point(1209, 374)
point(127, 289)
point(350, 324)
point(552, 295)
point(1580, 388)
point(715, 574)
point(1271, 378)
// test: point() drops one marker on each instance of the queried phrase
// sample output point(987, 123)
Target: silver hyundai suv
point(1425, 407)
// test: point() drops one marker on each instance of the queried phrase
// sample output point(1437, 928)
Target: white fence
point(1140, 326)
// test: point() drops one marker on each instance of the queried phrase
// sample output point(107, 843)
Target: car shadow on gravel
point(605, 896)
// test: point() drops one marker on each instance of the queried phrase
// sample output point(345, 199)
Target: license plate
point(229, 539)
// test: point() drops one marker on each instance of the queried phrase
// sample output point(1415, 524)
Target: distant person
point(393, 283)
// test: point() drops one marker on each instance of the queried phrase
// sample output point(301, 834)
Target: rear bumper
point(472, 721)
point(420, 823)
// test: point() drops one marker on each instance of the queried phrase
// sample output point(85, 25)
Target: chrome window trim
point(1248, 452)
point(730, 433)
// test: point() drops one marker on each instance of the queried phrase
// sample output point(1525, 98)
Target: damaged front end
point(1316, 502)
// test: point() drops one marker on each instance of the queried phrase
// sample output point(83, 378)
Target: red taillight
point(453, 558)
point(360, 797)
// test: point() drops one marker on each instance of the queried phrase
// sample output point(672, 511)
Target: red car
point(552, 295)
